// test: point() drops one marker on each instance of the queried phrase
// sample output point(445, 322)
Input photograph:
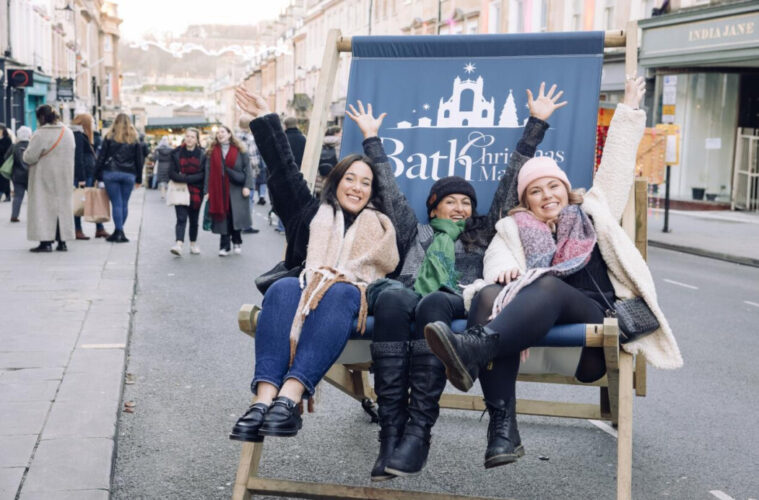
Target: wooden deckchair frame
point(625, 373)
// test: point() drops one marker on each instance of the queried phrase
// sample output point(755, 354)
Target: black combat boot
point(504, 443)
point(462, 354)
point(390, 362)
point(427, 381)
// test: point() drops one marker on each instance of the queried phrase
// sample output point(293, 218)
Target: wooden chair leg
point(611, 353)
point(250, 457)
point(624, 427)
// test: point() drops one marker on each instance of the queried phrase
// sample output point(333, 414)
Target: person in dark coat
point(162, 158)
point(119, 165)
point(188, 166)
point(84, 167)
point(6, 143)
point(20, 172)
point(296, 139)
point(229, 180)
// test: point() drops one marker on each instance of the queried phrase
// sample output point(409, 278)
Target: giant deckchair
point(552, 362)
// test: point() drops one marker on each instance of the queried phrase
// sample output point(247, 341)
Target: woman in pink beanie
point(560, 257)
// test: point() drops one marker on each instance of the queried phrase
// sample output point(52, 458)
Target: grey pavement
point(730, 236)
point(66, 318)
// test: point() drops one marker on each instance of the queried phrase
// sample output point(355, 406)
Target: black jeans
point(397, 308)
point(234, 234)
point(525, 320)
point(183, 213)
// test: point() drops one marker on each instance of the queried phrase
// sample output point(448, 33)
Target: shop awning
point(725, 35)
point(178, 123)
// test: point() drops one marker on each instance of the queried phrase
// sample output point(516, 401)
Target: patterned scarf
point(567, 254)
point(189, 163)
point(439, 266)
point(218, 182)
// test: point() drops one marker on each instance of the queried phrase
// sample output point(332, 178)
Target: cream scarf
point(365, 252)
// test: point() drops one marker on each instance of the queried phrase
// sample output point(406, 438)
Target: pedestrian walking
point(50, 156)
point(346, 242)
point(6, 149)
point(296, 139)
point(188, 166)
point(562, 258)
point(255, 162)
point(162, 158)
point(20, 172)
point(119, 166)
point(229, 180)
point(328, 156)
point(84, 167)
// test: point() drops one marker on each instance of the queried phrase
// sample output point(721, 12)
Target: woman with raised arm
point(438, 257)
point(344, 241)
point(563, 258)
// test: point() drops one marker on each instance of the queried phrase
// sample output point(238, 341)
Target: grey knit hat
point(450, 185)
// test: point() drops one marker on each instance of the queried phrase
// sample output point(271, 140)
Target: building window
point(107, 44)
point(494, 16)
point(609, 15)
point(577, 15)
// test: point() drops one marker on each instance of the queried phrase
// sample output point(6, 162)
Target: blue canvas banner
point(457, 105)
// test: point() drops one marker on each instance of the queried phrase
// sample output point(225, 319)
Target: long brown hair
point(232, 140)
point(84, 120)
point(122, 130)
point(329, 191)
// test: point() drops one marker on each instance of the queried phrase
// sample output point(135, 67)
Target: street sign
point(672, 150)
point(20, 77)
point(64, 89)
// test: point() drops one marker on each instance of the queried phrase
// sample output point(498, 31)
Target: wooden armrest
point(247, 318)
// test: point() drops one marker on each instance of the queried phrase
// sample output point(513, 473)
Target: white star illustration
point(426, 106)
point(413, 111)
point(469, 68)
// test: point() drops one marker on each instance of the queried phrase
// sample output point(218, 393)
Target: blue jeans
point(324, 335)
point(119, 186)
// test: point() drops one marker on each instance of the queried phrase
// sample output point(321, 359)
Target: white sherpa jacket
point(604, 203)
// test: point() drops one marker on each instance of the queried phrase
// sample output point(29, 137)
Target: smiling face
point(355, 187)
point(222, 135)
point(545, 197)
point(454, 206)
point(190, 139)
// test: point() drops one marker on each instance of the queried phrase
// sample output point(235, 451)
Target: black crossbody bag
point(635, 318)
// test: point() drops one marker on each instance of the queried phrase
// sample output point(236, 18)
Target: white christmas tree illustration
point(508, 116)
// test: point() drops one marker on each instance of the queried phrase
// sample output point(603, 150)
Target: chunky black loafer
point(246, 428)
point(282, 419)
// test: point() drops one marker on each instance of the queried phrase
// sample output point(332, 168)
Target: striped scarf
point(566, 254)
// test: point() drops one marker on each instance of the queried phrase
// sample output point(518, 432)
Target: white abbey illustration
point(482, 113)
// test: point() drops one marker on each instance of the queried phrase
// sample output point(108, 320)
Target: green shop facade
point(706, 67)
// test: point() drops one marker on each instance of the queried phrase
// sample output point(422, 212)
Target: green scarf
point(439, 266)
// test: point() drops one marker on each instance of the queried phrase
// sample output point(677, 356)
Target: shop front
point(35, 96)
point(706, 65)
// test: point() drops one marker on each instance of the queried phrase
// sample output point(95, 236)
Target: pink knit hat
point(535, 168)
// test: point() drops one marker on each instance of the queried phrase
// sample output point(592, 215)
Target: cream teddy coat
point(604, 203)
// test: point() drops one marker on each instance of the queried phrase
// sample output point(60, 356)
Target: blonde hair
point(232, 140)
point(122, 130)
point(574, 197)
point(84, 120)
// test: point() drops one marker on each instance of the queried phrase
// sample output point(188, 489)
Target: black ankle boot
point(282, 419)
point(44, 246)
point(61, 247)
point(504, 443)
point(246, 428)
point(427, 381)
point(390, 364)
point(462, 354)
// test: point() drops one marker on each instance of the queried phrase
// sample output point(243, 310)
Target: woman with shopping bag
point(84, 169)
point(50, 156)
point(186, 188)
point(119, 166)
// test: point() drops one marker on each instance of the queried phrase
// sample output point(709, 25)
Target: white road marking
point(721, 495)
point(685, 285)
point(751, 303)
point(604, 427)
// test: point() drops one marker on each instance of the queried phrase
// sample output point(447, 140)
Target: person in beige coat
point(562, 256)
point(50, 156)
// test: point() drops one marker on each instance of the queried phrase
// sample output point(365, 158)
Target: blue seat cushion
point(558, 336)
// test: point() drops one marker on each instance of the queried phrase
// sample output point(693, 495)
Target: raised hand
point(252, 104)
point(635, 89)
point(544, 106)
point(367, 123)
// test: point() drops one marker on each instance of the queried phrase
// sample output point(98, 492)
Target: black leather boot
point(427, 381)
point(61, 247)
point(282, 419)
point(390, 363)
point(43, 247)
point(462, 354)
point(246, 428)
point(504, 443)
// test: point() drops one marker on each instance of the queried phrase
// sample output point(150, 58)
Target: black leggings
point(525, 320)
point(183, 213)
point(396, 309)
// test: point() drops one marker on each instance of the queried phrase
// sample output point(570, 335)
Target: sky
point(160, 16)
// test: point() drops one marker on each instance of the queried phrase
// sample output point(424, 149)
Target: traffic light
point(20, 77)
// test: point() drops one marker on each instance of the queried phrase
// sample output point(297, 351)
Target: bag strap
point(611, 307)
point(63, 129)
